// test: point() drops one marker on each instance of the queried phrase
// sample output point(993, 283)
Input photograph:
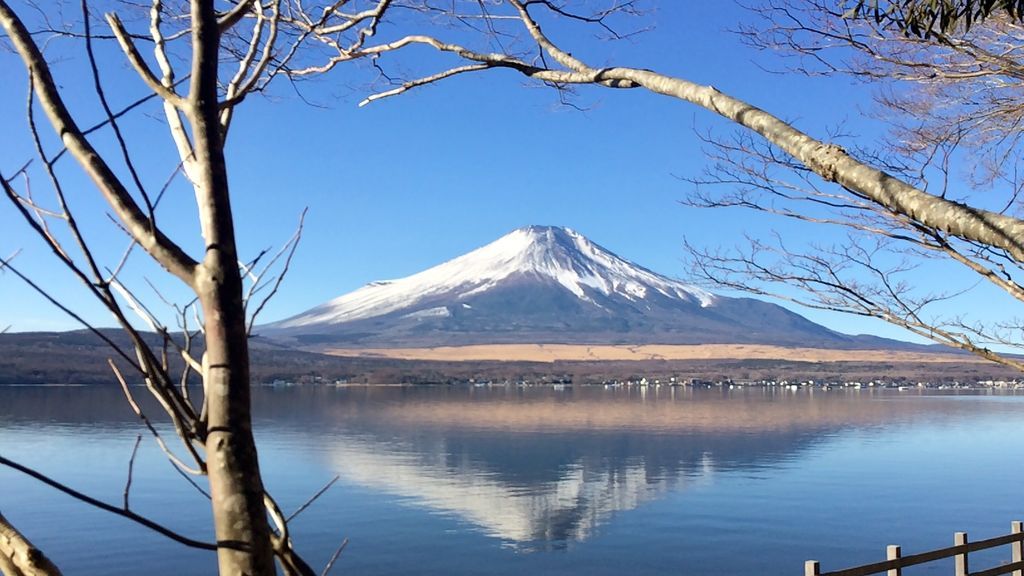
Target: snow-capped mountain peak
point(548, 254)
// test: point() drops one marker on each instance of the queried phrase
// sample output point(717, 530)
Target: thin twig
point(152, 429)
point(290, 247)
point(334, 557)
point(188, 478)
point(111, 119)
point(5, 264)
point(312, 499)
point(131, 467)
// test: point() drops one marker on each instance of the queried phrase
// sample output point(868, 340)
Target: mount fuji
point(546, 284)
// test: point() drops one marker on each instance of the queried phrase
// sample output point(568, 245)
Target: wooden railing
point(895, 562)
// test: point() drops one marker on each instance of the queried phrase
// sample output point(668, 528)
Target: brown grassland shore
point(647, 352)
point(81, 358)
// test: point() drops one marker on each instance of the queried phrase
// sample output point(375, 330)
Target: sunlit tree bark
point(18, 557)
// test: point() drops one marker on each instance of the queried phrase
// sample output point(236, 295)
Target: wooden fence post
point(1017, 527)
point(960, 539)
point(892, 552)
point(960, 552)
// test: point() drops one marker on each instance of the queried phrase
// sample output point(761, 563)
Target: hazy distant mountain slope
point(544, 284)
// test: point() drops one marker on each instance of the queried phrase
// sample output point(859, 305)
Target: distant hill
point(545, 284)
point(81, 358)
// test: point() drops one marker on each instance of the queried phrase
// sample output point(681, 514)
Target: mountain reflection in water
point(543, 468)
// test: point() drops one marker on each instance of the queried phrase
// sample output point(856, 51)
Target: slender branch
point(131, 467)
point(166, 252)
point(141, 68)
point(334, 557)
point(290, 246)
point(231, 17)
point(141, 520)
point(101, 94)
point(312, 499)
point(152, 429)
point(5, 264)
point(409, 85)
point(828, 161)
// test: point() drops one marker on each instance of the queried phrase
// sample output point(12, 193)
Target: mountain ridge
point(548, 284)
point(546, 251)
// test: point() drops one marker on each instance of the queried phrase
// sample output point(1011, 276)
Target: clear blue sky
point(406, 183)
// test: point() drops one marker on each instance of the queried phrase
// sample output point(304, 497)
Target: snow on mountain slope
point(544, 284)
point(545, 252)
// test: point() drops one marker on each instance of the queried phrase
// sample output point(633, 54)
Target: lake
point(581, 480)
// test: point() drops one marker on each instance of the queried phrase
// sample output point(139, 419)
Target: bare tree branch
point(313, 498)
point(166, 252)
point(140, 520)
point(334, 557)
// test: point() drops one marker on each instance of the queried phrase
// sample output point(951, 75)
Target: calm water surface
point(542, 481)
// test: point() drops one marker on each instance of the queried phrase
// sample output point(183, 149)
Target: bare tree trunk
point(18, 557)
point(236, 489)
point(246, 544)
point(240, 518)
point(235, 486)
